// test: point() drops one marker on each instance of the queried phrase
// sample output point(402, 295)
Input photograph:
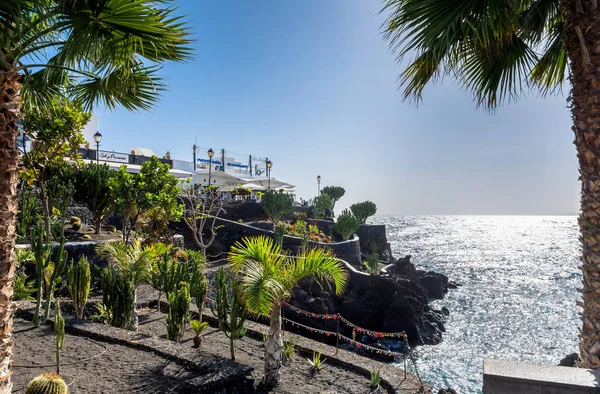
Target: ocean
point(518, 279)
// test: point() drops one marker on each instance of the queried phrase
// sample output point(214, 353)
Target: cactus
point(230, 313)
point(118, 297)
point(76, 226)
point(47, 383)
point(47, 272)
point(86, 236)
point(198, 327)
point(79, 284)
point(75, 219)
point(91, 229)
point(111, 228)
point(179, 308)
point(59, 329)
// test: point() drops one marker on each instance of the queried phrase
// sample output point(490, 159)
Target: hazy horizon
point(313, 86)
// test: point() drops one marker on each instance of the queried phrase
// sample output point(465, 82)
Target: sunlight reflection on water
point(519, 278)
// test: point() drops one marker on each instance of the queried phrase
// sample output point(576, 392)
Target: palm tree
point(498, 49)
point(134, 261)
point(268, 277)
point(92, 51)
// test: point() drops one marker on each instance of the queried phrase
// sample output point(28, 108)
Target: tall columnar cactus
point(48, 272)
point(47, 383)
point(179, 308)
point(59, 329)
point(118, 297)
point(198, 289)
point(79, 278)
point(231, 312)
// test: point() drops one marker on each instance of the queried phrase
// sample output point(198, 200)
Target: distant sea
point(517, 300)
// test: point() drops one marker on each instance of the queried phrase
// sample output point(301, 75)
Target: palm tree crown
point(100, 50)
point(496, 49)
point(268, 275)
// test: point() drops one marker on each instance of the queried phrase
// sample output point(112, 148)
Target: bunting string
point(360, 345)
point(311, 329)
point(357, 329)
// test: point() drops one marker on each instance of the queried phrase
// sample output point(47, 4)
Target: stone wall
point(230, 232)
point(75, 251)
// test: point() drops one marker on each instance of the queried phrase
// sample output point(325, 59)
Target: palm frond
point(320, 264)
point(488, 46)
point(261, 288)
point(263, 250)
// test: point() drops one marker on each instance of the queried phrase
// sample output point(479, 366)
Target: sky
point(313, 86)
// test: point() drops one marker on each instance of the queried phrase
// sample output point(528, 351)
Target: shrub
point(277, 205)
point(23, 289)
point(118, 297)
point(316, 364)
point(322, 206)
point(335, 192)
point(179, 308)
point(92, 190)
point(79, 279)
point(375, 379)
point(76, 226)
point(289, 350)
point(47, 383)
point(198, 328)
point(346, 224)
point(363, 210)
point(230, 311)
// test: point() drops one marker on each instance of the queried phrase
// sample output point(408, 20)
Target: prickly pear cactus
point(47, 383)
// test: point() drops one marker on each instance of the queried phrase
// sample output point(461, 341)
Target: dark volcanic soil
point(296, 376)
point(89, 366)
point(94, 367)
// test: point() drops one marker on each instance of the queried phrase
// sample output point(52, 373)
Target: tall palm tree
point(91, 50)
point(497, 49)
point(268, 277)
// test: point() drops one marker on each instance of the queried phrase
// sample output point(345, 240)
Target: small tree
point(335, 192)
point(277, 205)
point(92, 189)
point(136, 195)
point(346, 224)
point(363, 210)
point(322, 206)
point(201, 213)
point(56, 132)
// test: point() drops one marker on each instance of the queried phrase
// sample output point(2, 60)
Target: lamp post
point(211, 153)
point(319, 183)
point(269, 165)
point(97, 138)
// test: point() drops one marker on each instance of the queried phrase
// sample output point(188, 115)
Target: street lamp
point(319, 183)
point(269, 165)
point(211, 153)
point(97, 138)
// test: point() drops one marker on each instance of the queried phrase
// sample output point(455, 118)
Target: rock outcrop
point(392, 303)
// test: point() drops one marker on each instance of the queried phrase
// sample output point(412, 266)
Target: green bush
point(335, 192)
point(346, 224)
point(363, 210)
point(23, 289)
point(179, 308)
point(322, 206)
point(277, 205)
point(92, 183)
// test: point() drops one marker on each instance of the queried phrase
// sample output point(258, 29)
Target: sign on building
point(114, 157)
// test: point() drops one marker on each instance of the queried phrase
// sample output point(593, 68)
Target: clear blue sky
point(312, 85)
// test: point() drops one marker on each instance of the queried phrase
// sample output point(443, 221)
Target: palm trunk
point(133, 324)
point(583, 47)
point(273, 348)
point(9, 159)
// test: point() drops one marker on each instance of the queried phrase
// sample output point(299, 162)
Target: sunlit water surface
point(517, 300)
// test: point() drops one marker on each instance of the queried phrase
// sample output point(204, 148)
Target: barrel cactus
point(47, 383)
point(75, 219)
point(76, 226)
